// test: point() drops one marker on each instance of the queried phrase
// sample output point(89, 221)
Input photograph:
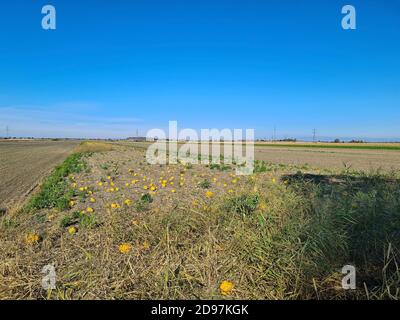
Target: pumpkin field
point(115, 227)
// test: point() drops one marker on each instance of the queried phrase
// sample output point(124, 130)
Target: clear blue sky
point(112, 67)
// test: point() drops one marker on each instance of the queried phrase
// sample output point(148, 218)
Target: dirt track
point(23, 164)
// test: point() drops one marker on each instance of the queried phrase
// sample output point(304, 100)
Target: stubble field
point(327, 158)
point(337, 156)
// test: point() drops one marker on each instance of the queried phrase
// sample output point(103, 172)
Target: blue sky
point(112, 67)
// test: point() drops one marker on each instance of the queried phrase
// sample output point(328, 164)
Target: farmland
point(336, 156)
point(23, 164)
point(115, 227)
point(367, 158)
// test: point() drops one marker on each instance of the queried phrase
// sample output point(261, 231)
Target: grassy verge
point(55, 192)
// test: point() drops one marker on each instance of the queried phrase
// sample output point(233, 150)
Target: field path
point(23, 164)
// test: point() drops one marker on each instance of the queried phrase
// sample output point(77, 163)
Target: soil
point(23, 165)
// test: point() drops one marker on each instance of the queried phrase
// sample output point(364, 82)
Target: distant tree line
point(351, 141)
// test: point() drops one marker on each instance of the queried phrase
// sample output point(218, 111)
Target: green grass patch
point(243, 205)
point(220, 167)
point(83, 219)
point(260, 166)
point(55, 191)
point(143, 203)
point(205, 184)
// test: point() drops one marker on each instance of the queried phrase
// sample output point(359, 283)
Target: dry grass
point(93, 146)
point(274, 235)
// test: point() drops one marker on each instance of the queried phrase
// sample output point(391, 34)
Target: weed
point(205, 184)
point(67, 221)
point(146, 198)
point(85, 220)
point(9, 223)
point(188, 166)
point(260, 166)
point(220, 167)
point(88, 221)
point(41, 218)
point(243, 205)
point(143, 203)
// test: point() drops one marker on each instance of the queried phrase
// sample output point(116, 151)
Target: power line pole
point(7, 132)
point(314, 134)
point(274, 137)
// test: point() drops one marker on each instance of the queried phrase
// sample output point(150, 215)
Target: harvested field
point(332, 158)
point(23, 164)
point(365, 157)
point(129, 230)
